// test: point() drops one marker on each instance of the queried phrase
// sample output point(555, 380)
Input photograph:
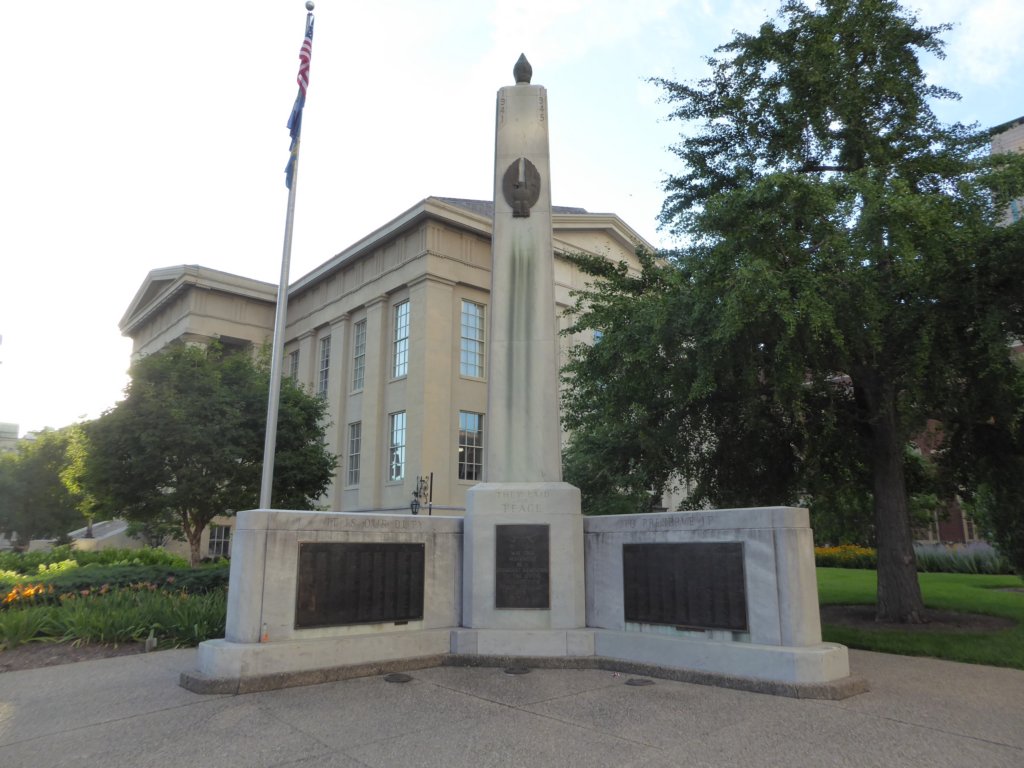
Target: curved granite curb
point(832, 691)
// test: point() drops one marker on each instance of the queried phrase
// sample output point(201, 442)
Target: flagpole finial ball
point(309, 5)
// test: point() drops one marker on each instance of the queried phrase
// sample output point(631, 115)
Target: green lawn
point(967, 593)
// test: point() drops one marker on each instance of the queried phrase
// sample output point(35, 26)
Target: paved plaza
point(130, 712)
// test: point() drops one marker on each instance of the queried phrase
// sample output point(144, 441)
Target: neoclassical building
point(392, 332)
point(1009, 137)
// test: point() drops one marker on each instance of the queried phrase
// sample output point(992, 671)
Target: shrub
point(26, 624)
point(118, 616)
point(845, 556)
point(108, 602)
point(30, 562)
point(176, 618)
point(143, 556)
point(179, 620)
point(93, 577)
point(55, 568)
point(99, 618)
point(976, 557)
point(174, 579)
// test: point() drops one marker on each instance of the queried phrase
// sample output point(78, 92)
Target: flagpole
point(280, 315)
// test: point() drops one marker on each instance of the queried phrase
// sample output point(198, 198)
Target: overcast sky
point(145, 135)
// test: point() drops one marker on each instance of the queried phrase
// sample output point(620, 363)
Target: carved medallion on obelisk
point(521, 187)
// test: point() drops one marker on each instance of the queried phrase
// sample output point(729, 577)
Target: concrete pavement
point(130, 712)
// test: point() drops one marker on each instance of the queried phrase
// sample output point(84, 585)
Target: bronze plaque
point(522, 566)
point(694, 585)
point(358, 583)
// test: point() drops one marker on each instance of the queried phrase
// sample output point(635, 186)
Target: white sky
point(142, 135)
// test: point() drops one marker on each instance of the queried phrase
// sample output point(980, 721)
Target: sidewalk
point(130, 712)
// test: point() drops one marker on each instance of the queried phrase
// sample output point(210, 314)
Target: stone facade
point(1009, 137)
point(195, 304)
point(392, 331)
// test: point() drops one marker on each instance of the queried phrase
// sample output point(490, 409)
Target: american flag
point(295, 121)
point(305, 54)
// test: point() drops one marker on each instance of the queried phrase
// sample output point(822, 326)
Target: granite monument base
point(523, 558)
point(724, 597)
point(316, 592)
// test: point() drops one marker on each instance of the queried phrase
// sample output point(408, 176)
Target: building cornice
point(608, 223)
point(162, 285)
point(433, 208)
point(1003, 127)
point(429, 208)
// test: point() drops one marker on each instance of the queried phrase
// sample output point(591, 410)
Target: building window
point(471, 446)
point(355, 447)
point(325, 366)
point(471, 346)
point(220, 541)
point(396, 447)
point(358, 355)
point(401, 344)
point(293, 365)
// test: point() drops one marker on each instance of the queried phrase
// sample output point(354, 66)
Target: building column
point(306, 362)
point(429, 388)
point(337, 400)
point(372, 460)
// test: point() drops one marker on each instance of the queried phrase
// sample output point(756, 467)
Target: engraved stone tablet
point(358, 583)
point(693, 585)
point(522, 566)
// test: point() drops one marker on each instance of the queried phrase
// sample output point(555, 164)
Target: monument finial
point(522, 70)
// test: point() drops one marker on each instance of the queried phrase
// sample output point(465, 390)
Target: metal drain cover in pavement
point(639, 681)
point(517, 670)
point(397, 677)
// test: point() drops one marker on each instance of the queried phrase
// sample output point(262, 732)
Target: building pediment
point(162, 285)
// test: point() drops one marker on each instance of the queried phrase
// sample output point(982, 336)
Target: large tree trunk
point(194, 555)
point(899, 592)
point(194, 536)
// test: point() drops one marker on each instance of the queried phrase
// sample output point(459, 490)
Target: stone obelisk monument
point(523, 535)
point(522, 389)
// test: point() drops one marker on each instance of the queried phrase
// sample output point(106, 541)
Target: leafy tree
point(633, 430)
point(844, 281)
point(76, 453)
point(622, 452)
point(186, 443)
point(34, 503)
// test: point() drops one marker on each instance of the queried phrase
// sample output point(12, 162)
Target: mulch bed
point(34, 655)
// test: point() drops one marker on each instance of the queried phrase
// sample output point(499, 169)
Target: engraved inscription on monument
point(694, 585)
point(522, 566)
point(358, 583)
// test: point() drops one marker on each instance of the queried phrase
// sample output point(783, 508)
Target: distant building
point(8, 437)
point(1009, 137)
point(951, 524)
point(392, 331)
